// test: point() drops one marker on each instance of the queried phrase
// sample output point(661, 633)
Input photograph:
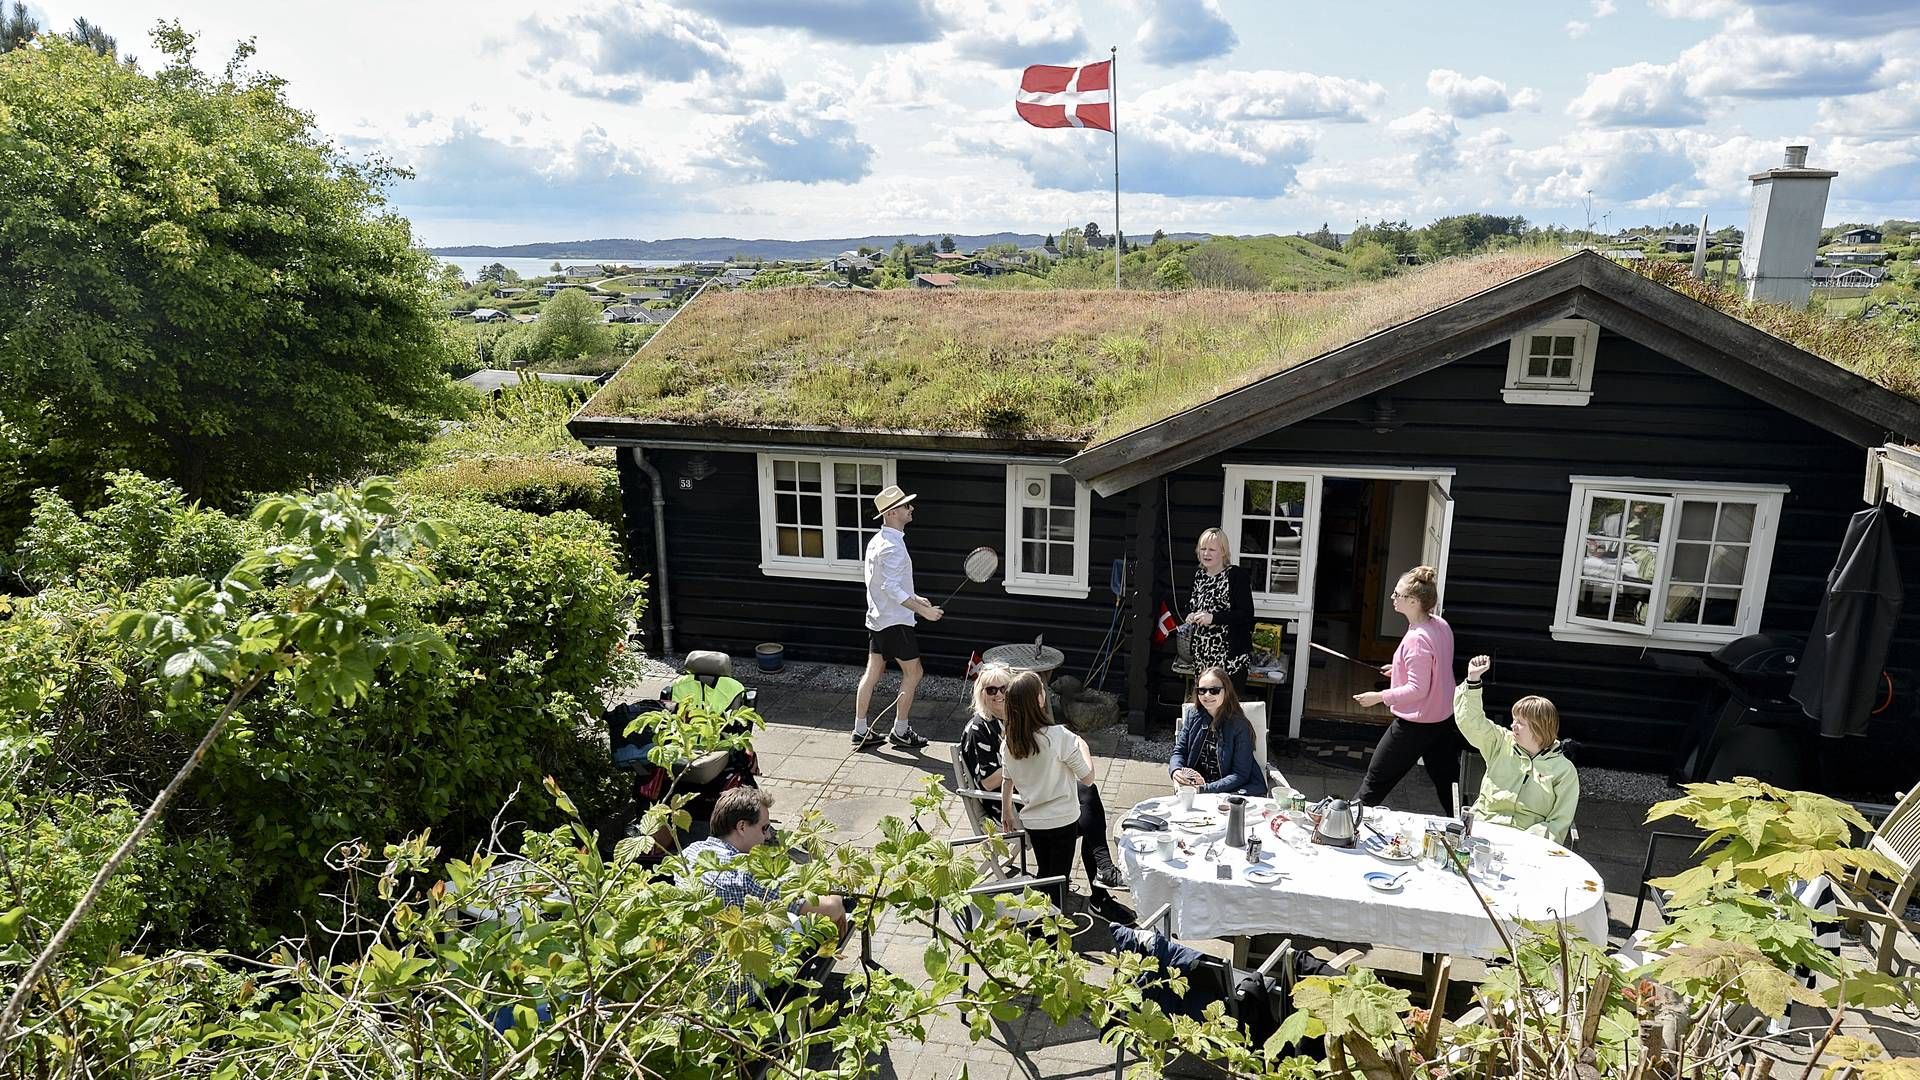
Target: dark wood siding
point(721, 600)
point(1650, 417)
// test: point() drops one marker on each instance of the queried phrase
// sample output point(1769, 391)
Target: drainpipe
point(661, 591)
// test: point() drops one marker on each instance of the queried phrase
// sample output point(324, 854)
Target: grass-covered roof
point(1059, 364)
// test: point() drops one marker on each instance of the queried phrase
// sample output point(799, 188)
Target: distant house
point(1913, 237)
point(1854, 258)
point(586, 270)
point(737, 275)
point(988, 266)
point(554, 288)
point(532, 317)
point(641, 296)
point(935, 281)
point(1637, 239)
point(708, 269)
point(508, 294)
point(486, 314)
point(951, 257)
point(494, 380)
point(1678, 242)
point(851, 260)
point(1862, 235)
point(1847, 277)
point(1626, 254)
point(634, 313)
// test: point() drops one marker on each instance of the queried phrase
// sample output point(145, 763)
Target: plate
point(1143, 843)
point(1380, 851)
point(1195, 821)
point(1381, 881)
point(1264, 875)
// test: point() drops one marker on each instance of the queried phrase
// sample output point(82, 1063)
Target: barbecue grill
point(1751, 727)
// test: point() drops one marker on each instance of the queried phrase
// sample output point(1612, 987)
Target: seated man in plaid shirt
point(742, 820)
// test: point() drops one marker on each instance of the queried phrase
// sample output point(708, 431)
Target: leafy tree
point(946, 243)
point(1159, 235)
point(556, 268)
point(1073, 243)
point(925, 249)
point(1324, 237)
point(569, 326)
point(17, 26)
point(200, 284)
point(1093, 235)
point(1371, 260)
point(496, 274)
point(1172, 274)
point(1049, 244)
point(91, 35)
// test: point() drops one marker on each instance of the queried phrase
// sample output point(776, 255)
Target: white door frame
point(1299, 615)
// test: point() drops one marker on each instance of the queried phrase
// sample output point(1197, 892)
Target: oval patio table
point(1324, 893)
point(1039, 659)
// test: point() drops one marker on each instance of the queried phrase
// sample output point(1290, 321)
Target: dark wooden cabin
point(1614, 479)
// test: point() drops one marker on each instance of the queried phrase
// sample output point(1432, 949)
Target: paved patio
point(808, 763)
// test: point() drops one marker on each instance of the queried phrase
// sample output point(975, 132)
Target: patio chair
point(1003, 879)
point(974, 801)
point(1863, 907)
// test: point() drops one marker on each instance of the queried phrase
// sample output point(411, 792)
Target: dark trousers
point(1053, 854)
point(1094, 852)
point(1404, 742)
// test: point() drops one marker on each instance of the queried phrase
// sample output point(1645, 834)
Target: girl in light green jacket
point(1530, 784)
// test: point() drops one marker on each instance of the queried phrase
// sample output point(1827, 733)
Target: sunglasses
point(993, 691)
point(1210, 691)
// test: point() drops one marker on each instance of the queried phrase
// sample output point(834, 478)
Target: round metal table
point(1041, 660)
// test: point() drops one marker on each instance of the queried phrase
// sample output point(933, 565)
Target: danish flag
point(1056, 97)
point(1164, 626)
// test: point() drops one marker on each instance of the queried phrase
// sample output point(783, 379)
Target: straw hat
point(890, 498)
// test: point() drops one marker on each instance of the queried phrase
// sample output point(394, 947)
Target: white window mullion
point(779, 496)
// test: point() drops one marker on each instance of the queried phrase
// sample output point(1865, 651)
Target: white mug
point(1166, 841)
point(1185, 795)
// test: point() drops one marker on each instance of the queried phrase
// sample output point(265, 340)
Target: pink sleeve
point(1419, 674)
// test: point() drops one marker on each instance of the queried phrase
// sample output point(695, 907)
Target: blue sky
point(658, 118)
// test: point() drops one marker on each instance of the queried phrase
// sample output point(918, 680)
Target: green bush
point(535, 610)
point(544, 485)
point(145, 529)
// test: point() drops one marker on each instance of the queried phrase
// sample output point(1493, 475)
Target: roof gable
point(1585, 285)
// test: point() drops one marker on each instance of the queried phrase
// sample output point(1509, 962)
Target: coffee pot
point(1236, 821)
point(1339, 823)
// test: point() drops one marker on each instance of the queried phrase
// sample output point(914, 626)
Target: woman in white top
point(1046, 763)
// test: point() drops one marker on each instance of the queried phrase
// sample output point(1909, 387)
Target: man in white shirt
point(891, 606)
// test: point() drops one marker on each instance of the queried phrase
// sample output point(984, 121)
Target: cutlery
point(1395, 879)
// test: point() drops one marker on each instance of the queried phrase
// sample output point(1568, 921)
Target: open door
point(1438, 536)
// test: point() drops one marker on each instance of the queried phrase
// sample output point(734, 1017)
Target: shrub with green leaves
point(537, 485)
point(534, 611)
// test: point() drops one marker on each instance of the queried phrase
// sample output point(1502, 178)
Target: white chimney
point(1783, 230)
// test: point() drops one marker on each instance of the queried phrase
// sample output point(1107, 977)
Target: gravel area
point(826, 678)
point(1614, 785)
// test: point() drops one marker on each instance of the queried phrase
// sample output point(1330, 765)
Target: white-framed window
point(1552, 364)
point(1268, 516)
point(1048, 521)
point(1671, 563)
point(816, 513)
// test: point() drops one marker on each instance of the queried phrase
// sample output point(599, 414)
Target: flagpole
point(1113, 121)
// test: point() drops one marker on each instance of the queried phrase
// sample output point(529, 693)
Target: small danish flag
point(1164, 626)
point(973, 665)
point(1056, 97)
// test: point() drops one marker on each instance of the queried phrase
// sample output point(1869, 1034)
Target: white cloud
point(1633, 167)
point(1577, 29)
point(1468, 96)
point(618, 52)
point(1183, 31)
point(1743, 62)
point(1433, 137)
point(1016, 33)
point(1602, 8)
point(1894, 111)
point(486, 162)
point(809, 138)
point(1265, 96)
point(855, 22)
point(1695, 9)
point(901, 80)
point(1638, 95)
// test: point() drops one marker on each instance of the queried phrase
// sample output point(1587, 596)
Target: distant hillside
point(727, 247)
point(1286, 262)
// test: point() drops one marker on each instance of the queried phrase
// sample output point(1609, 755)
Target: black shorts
point(894, 643)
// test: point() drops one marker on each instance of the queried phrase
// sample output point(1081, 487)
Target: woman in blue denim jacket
point(1213, 750)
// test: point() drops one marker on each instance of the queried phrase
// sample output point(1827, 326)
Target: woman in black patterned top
point(1220, 611)
point(980, 753)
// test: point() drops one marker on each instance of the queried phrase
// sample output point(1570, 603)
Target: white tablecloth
point(1324, 894)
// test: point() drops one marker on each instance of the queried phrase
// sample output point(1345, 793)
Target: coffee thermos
point(1236, 821)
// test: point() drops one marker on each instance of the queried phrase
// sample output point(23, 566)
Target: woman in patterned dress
point(1220, 611)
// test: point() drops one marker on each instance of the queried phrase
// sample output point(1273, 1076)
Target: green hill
point(1285, 263)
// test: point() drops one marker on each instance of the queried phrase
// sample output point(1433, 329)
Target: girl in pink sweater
point(1421, 698)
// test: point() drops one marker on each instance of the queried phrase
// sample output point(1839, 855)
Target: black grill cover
point(1840, 674)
